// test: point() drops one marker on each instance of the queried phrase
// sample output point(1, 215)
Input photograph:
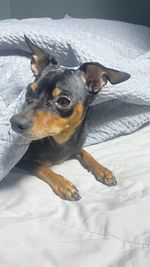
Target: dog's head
point(57, 100)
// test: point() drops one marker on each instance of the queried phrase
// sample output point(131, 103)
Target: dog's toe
point(72, 194)
point(109, 182)
point(106, 177)
point(73, 197)
point(67, 191)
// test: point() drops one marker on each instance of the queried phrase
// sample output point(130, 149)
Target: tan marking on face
point(49, 124)
point(34, 86)
point(56, 92)
point(74, 121)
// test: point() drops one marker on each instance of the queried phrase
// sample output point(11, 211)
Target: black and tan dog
point(54, 118)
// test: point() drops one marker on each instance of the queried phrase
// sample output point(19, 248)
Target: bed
point(108, 226)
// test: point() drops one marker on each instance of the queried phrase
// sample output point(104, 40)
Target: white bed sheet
point(108, 227)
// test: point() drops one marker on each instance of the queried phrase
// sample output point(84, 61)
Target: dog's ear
point(40, 59)
point(97, 75)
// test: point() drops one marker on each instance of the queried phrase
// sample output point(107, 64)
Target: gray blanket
point(118, 109)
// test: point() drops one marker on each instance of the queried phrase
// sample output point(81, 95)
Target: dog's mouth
point(31, 136)
point(29, 131)
point(34, 137)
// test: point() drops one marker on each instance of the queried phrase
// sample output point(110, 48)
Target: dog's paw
point(66, 190)
point(105, 176)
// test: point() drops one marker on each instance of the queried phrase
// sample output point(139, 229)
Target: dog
point(54, 118)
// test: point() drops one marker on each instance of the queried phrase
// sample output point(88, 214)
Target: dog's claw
point(77, 196)
point(106, 177)
point(67, 191)
point(114, 182)
point(109, 182)
point(74, 197)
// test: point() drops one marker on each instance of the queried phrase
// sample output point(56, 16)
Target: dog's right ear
point(40, 59)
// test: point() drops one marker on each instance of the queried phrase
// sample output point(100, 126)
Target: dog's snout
point(19, 124)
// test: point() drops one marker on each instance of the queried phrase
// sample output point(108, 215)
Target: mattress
point(108, 227)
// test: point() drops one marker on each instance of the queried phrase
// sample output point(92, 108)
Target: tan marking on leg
point(61, 186)
point(101, 173)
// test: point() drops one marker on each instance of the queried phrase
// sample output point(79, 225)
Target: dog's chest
point(48, 151)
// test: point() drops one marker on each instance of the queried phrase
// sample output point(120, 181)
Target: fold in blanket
point(119, 109)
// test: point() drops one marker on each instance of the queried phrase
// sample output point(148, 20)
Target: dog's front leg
point(101, 173)
point(62, 187)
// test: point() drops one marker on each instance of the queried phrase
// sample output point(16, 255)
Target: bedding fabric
point(118, 110)
point(108, 227)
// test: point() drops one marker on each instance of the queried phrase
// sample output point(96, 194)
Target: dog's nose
point(19, 124)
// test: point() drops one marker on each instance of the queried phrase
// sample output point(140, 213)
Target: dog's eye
point(63, 102)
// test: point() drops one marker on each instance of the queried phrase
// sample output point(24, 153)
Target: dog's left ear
point(97, 75)
point(40, 59)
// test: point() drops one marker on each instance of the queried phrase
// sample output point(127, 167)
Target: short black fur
point(63, 95)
